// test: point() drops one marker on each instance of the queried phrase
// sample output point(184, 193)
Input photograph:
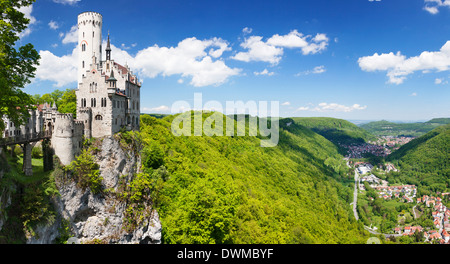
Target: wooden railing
point(29, 137)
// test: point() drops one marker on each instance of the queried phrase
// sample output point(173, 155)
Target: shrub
point(36, 152)
point(86, 172)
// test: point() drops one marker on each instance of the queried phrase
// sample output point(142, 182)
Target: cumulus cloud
point(259, 50)
point(264, 72)
point(286, 103)
point(53, 25)
point(61, 70)
point(71, 36)
point(332, 107)
point(398, 67)
point(272, 50)
point(197, 59)
point(27, 10)
point(432, 6)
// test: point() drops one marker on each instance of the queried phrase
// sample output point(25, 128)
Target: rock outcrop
point(100, 218)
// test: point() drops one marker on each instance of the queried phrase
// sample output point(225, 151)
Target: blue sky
point(351, 59)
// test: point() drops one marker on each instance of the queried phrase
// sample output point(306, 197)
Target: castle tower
point(62, 138)
point(89, 41)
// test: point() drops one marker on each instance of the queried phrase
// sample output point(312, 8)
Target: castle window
point(98, 117)
point(83, 64)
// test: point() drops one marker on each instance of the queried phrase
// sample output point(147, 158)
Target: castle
point(108, 98)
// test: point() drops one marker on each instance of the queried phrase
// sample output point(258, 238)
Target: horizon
point(317, 58)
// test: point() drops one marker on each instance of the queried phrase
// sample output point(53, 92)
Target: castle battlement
point(84, 110)
point(68, 116)
point(89, 17)
point(79, 123)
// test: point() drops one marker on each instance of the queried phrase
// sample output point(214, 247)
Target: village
point(441, 222)
point(357, 150)
point(408, 194)
point(381, 147)
point(392, 142)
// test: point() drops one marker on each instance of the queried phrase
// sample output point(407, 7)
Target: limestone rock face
point(100, 217)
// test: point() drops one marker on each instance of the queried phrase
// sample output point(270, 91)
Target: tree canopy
point(17, 64)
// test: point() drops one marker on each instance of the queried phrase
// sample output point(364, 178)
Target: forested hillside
point(425, 161)
point(336, 130)
point(231, 190)
point(386, 128)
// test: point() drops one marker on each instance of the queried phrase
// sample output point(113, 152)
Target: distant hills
point(386, 128)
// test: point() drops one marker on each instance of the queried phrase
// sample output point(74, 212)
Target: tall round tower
point(89, 41)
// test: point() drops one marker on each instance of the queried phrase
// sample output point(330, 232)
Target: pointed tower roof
point(108, 47)
point(111, 77)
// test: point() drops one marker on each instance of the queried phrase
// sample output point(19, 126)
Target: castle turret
point(89, 40)
point(111, 84)
point(62, 138)
point(85, 114)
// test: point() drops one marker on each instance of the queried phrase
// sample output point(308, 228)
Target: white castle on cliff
point(108, 97)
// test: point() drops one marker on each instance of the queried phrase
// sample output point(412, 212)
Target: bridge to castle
point(27, 142)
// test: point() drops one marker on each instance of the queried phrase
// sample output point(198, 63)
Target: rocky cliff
point(90, 217)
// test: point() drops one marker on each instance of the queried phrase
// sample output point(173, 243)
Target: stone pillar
point(27, 167)
point(47, 155)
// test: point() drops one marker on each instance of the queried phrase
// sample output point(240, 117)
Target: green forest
point(424, 161)
point(386, 128)
point(231, 190)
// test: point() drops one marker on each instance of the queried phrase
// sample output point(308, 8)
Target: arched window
point(98, 117)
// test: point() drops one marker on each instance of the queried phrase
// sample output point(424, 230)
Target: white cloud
point(66, 2)
point(62, 70)
point(188, 59)
point(27, 10)
point(398, 67)
point(71, 36)
point(413, 94)
point(316, 70)
point(259, 50)
point(247, 30)
point(431, 9)
point(332, 107)
point(159, 109)
point(440, 81)
point(303, 108)
point(432, 6)
point(286, 103)
point(272, 49)
point(264, 72)
point(53, 25)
